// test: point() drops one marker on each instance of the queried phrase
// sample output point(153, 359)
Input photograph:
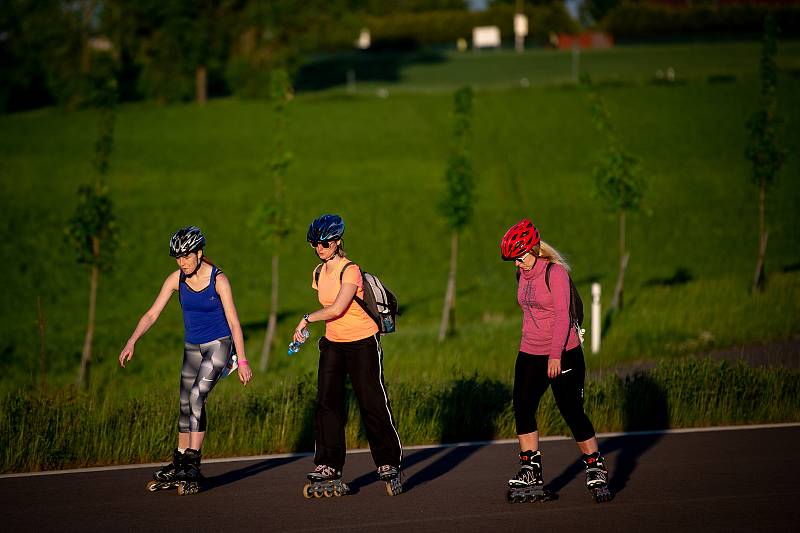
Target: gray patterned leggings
point(202, 366)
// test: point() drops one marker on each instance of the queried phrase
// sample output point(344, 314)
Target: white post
point(595, 317)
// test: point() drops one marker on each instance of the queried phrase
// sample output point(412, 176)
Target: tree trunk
point(40, 320)
point(273, 318)
point(758, 277)
point(86, 355)
point(201, 84)
point(617, 300)
point(449, 310)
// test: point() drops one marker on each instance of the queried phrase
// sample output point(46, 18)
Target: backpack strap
point(341, 274)
point(316, 273)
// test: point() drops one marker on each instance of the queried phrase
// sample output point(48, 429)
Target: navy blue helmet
point(186, 240)
point(325, 228)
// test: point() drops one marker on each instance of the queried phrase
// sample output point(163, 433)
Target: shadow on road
point(644, 408)
point(467, 410)
point(251, 470)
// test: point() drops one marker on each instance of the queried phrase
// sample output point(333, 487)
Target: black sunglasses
point(324, 244)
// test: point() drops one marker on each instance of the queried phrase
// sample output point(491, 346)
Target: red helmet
point(518, 240)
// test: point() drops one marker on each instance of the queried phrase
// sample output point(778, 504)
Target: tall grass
point(64, 428)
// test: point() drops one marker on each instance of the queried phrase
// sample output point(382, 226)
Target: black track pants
point(531, 382)
point(362, 360)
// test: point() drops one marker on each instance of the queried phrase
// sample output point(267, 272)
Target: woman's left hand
point(553, 368)
point(245, 374)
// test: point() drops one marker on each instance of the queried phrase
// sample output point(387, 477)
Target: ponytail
point(546, 251)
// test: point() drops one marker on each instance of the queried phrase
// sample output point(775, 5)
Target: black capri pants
point(531, 382)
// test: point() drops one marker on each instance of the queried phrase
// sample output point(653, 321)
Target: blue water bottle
point(294, 346)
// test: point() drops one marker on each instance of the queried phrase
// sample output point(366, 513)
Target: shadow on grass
point(681, 276)
point(381, 64)
point(644, 409)
point(258, 326)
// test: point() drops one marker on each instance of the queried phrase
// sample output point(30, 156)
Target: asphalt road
point(740, 480)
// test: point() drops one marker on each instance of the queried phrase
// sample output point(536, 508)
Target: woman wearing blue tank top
point(212, 339)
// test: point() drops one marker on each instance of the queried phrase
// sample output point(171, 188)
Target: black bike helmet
point(186, 240)
point(325, 228)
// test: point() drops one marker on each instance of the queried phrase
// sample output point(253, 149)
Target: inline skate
point(597, 477)
point(391, 476)
point(166, 477)
point(325, 481)
point(189, 477)
point(528, 485)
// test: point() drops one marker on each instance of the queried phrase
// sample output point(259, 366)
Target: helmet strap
point(199, 264)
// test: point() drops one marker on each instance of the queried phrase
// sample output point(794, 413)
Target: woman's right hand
point(126, 354)
point(298, 331)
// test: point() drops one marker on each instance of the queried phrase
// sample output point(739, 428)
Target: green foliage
point(445, 27)
point(647, 21)
point(618, 178)
point(103, 427)
point(92, 227)
point(273, 219)
point(93, 223)
point(765, 128)
point(457, 203)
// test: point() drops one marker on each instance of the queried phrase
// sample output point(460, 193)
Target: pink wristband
point(244, 362)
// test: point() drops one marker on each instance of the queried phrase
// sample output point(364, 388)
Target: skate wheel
point(182, 489)
point(318, 493)
point(327, 492)
point(152, 485)
point(307, 493)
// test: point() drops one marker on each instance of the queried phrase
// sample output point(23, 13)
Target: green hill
point(379, 163)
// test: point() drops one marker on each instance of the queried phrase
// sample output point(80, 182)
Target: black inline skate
point(325, 481)
point(166, 477)
point(391, 476)
point(597, 477)
point(189, 477)
point(528, 484)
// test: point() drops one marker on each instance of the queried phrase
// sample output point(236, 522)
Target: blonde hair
point(545, 251)
point(340, 249)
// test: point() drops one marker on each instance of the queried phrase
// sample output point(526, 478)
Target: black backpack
point(575, 302)
point(379, 302)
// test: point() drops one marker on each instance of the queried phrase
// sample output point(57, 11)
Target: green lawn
point(623, 64)
point(379, 163)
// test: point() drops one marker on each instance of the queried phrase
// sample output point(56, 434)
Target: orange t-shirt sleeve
point(352, 274)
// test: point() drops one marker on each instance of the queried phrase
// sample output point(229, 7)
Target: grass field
point(379, 163)
point(691, 62)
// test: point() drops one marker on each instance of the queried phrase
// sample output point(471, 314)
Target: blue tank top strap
point(212, 283)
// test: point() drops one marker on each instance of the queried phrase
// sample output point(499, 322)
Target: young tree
point(620, 186)
point(92, 227)
point(456, 205)
point(764, 149)
point(272, 219)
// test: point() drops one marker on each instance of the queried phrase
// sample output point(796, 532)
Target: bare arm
point(346, 294)
point(149, 318)
point(226, 296)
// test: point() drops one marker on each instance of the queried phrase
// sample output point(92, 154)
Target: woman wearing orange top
point(351, 347)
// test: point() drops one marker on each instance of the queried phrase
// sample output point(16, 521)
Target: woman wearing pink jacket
point(550, 354)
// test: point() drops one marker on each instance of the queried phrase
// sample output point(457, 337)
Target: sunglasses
point(520, 260)
point(324, 244)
